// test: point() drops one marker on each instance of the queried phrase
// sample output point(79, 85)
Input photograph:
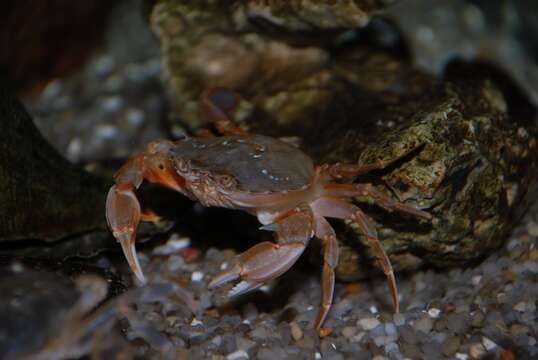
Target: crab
point(267, 177)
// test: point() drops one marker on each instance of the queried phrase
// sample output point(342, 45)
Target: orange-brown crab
point(263, 176)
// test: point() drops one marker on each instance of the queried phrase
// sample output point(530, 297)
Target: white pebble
point(461, 356)
point(373, 310)
point(197, 276)
point(173, 245)
point(520, 306)
point(488, 343)
point(236, 355)
point(434, 313)
point(475, 280)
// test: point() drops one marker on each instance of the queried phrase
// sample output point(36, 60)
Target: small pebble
point(451, 345)
point(488, 344)
point(296, 331)
point(349, 331)
point(476, 351)
point(237, 355)
point(390, 329)
point(424, 324)
point(475, 280)
point(197, 276)
point(434, 312)
point(368, 323)
point(520, 306)
point(357, 338)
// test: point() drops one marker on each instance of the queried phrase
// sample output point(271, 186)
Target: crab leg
point(340, 170)
point(368, 229)
point(266, 261)
point(337, 208)
point(220, 105)
point(325, 232)
point(367, 190)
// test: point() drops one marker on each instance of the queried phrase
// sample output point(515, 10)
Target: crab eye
point(226, 181)
point(182, 165)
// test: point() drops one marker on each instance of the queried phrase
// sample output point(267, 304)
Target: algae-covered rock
point(42, 196)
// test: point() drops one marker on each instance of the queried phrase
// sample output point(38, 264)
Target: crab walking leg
point(220, 105)
point(339, 170)
point(340, 209)
point(368, 190)
point(368, 229)
point(325, 232)
point(266, 260)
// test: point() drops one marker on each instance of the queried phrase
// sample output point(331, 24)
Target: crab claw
point(123, 215)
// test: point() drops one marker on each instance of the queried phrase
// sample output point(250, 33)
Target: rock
point(45, 314)
point(471, 31)
point(43, 196)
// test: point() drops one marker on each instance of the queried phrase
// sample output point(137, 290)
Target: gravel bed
point(484, 311)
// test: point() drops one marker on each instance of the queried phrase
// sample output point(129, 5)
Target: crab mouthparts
point(128, 246)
